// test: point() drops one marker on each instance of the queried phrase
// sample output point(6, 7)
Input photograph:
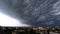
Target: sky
point(7, 21)
point(32, 12)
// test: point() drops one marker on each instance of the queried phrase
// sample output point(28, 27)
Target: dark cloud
point(34, 12)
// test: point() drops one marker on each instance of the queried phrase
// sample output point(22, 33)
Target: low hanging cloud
point(56, 6)
point(34, 12)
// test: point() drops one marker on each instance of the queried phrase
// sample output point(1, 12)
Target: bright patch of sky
point(10, 22)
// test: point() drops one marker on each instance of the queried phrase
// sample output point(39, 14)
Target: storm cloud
point(33, 12)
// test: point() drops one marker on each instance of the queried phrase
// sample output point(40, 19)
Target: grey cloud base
point(34, 12)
